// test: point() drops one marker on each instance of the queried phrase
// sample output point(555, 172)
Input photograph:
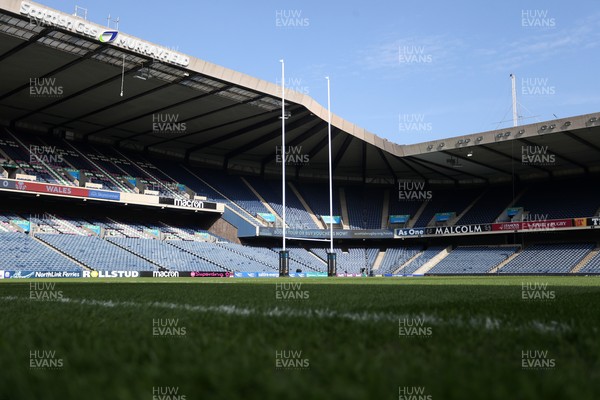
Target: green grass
point(347, 330)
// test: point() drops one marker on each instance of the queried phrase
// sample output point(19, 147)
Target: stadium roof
point(60, 73)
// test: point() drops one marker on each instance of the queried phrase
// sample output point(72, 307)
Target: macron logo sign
point(189, 203)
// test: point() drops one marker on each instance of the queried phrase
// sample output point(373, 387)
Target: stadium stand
point(22, 252)
point(487, 209)
point(446, 201)
point(96, 253)
point(473, 259)
point(421, 259)
point(568, 199)
point(547, 258)
point(352, 260)
point(395, 257)
point(592, 266)
point(365, 207)
point(166, 255)
point(296, 214)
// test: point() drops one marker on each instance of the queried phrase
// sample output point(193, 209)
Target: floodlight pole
point(283, 254)
point(331, 258)
point(514, 100)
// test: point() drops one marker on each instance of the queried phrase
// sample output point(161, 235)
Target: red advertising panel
point(52, 189)
point(551, 224)
point(506, 226)
point(530, 225)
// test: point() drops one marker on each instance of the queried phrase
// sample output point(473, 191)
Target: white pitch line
point(484, 323)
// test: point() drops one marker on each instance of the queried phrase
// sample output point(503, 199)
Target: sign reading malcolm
point(443, 230)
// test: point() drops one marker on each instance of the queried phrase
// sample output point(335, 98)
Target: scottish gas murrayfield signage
point(41, 15)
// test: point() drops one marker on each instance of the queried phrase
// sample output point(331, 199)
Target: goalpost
point(284, 254)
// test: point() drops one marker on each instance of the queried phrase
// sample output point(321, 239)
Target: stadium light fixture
point(479, 138)
point(567, 123)
point(430, 147)
point(470, 154)
point(498, 136)
point(441, 145)
point(506, 134)
point(460, 141)
point(143, 73)
point(467, 140)
point(593, 119)
point(521, 131)
point(552, 126)
point(543, 127)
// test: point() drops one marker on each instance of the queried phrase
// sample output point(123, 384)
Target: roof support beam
point(341, 152)
point(56, 70)
point(269, 136)
point(387, 163)
point(315, 129)
point(424, 165)
point(229, 107)
point(74, 95)
point(364, 162)
point(272, 120)
point(27, 43)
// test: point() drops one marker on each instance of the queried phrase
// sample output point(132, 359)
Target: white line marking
point(483, 323)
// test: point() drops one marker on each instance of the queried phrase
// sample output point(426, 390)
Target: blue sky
point(407, 70)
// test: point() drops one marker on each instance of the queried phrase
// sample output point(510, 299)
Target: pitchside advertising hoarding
point(324, 233)
point(40, 274)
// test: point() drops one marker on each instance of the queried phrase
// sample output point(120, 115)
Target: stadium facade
point(118, 155)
